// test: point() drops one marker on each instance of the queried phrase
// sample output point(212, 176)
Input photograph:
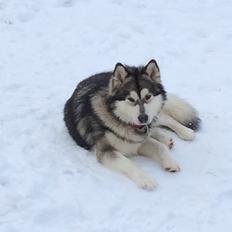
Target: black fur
point(194, 124)
point(73, 112)
point(83, 124)
point(69, 119)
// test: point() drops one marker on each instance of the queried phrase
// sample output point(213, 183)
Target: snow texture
point(49, 184)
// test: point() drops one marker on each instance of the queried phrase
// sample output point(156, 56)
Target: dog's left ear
point(120, 74)
point(152, 70)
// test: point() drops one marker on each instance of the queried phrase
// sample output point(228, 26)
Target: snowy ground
point(49, 184)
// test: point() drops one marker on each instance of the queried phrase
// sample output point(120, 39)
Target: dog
point(122, 113)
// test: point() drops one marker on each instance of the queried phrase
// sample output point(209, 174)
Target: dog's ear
point(152, 70)
point(120, 74)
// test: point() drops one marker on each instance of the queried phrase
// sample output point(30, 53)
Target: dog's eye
point(147, 97)
point(130, 99)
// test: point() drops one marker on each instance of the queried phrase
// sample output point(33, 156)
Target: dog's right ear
point(119, 76)
point(152, 70)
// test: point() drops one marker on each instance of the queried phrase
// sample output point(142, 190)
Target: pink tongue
point(137, 126)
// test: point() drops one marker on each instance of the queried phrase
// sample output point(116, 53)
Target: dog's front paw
point(187, 134)
point(170, 143)
point(144, 181)
point(171, 166)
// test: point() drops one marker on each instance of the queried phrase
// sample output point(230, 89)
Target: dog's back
point(80, 119)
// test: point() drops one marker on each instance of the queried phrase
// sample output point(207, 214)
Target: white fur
point(129, 112)
point(174, 112)
point(134, 95)
point(125, 166)
point(158, 152)
point(153, 107)
point(182, 131)
point(126, 112)
point(144, 92)
point(160, 134)
point(179, 109)
point(127, 149)
point(150, 148)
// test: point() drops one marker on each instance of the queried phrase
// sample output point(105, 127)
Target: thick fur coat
point(121, 113)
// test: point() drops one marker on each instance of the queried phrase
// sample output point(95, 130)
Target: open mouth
point(138, 126)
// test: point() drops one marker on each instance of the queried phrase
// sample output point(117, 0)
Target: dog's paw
point(170, 143)
point(145, 182)
point(171, 166)
point(187, 134)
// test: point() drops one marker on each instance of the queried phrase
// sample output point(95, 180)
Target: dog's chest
point(125, 147)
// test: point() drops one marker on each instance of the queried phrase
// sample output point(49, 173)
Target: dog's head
point(136, 94)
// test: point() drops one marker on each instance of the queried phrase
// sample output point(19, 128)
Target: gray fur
point(102, 115)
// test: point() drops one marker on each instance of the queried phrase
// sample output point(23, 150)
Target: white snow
point(49, 184)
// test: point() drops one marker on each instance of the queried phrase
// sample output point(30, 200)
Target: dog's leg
point(119, 163)
point(182, 131)
point(160, 135)
point(158, 152)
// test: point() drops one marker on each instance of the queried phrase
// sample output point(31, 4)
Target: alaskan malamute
point(121, 113)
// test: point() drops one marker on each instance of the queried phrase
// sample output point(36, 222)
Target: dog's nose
point(143, 118)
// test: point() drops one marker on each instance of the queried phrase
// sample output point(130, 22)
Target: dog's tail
point(182, 112)
point(69, 118)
